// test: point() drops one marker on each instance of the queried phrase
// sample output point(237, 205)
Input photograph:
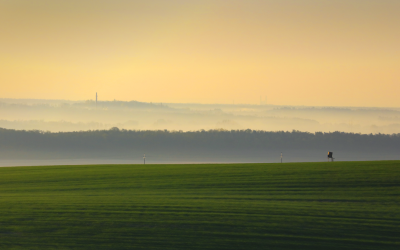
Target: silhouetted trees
point(120, 139)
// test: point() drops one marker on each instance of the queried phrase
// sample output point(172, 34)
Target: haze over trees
point(197, 146)
point(59, 129)
point(63, 115)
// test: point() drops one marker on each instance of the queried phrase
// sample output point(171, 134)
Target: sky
point(286, 52)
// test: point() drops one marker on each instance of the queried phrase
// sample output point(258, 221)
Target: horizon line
point(198, 103)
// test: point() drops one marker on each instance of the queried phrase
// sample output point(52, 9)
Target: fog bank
point(129, 146)
point(64, 115)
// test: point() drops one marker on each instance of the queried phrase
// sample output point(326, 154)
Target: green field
point(339, 205)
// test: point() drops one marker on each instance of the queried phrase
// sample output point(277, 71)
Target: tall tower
point(96, 99)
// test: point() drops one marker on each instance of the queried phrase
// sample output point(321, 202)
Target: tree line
point(116, 139)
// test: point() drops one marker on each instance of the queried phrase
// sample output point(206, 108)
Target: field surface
point(339, 205)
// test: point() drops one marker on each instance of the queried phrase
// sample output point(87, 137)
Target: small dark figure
point(330, 156)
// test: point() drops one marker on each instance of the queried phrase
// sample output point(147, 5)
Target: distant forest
point(69, 116)
point(233, 145)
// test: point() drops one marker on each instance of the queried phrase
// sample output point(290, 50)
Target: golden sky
point(295, 52)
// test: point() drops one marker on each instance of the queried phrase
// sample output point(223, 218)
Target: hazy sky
point(295, 52)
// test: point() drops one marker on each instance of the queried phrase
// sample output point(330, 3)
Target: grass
point(339, 205)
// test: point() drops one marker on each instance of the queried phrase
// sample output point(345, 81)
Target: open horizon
point(199, 103)
point(296, 53)
point(200, 124)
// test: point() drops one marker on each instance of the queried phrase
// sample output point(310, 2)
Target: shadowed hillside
point(197, 146)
